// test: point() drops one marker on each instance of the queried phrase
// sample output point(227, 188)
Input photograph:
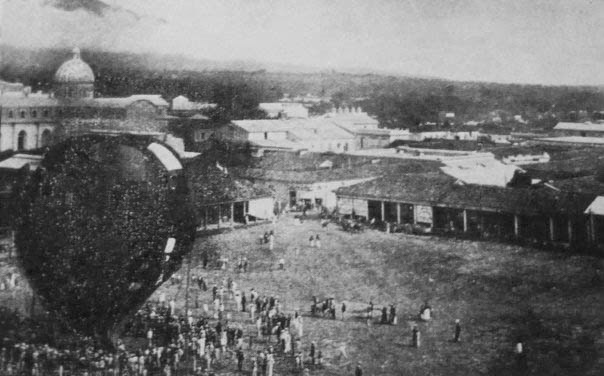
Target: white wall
point(9, 134)
point(277, 136)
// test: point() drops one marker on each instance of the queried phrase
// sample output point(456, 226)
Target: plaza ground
point(554, 301)
point(499, 292)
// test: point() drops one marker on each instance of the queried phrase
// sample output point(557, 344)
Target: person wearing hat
point(415, 339)
point(457, 331)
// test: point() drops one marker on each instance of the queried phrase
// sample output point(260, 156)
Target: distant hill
point(237, 86)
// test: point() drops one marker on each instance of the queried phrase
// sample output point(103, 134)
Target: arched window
point(22, 114)
point(10, 114)
point(45, 113)
point(34, 114)
point(45, 140)
point(21, 141)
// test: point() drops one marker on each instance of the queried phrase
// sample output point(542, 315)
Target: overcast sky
point(526, 41)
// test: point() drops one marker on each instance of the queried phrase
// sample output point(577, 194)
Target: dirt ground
point(554, 301)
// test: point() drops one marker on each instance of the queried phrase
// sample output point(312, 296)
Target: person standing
point(281, 263)
point(311, 241)
point(384, 315)
point(263, 362)
point(393, 319)
point(150, 337)
point(520, 355)
point(317, 241)
point(415, 339)
point(259, 325)
point(243, 302)
point(270, 363)
point(358, 371)
point(300, 326)
point(457, 336)
point(240, 358)
point(254, 366)
point(313, 348)
point(271, 241)
point(343, 310)
point(252, 311)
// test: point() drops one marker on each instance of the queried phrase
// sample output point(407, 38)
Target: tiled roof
point(425, 188)
point(439, 190)
point(585, 184)
point(209, 185)
point(334, 174)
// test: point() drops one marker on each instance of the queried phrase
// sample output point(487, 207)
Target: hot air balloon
point(102, 223)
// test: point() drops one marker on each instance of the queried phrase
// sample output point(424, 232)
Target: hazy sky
point(532, 41)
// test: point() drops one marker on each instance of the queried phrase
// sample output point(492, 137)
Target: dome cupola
point(74, 79)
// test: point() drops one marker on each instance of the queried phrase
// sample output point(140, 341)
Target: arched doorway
point(45, 139)
point(21, 141)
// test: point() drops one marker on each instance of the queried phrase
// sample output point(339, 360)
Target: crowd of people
point(229, 325)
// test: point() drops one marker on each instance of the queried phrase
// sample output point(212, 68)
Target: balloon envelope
point(95, 223)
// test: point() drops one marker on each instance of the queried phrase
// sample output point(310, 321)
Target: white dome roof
point(75, 70)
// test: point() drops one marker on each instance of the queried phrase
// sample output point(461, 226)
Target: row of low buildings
point(444, 204)
point(461, 193)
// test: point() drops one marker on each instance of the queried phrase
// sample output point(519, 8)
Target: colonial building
point(587, 129)
point(340, 131)
point(34, 120)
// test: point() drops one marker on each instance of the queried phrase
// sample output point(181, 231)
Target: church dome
point(74, 70)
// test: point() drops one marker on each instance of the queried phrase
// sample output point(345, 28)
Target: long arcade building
point(535, 214)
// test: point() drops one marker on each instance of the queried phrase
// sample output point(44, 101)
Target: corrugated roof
point(596, 207)
point(17, 161)
point(253, 126)
point(482, 172)
point(314, 128)
point(588, 127)
point(277, 144)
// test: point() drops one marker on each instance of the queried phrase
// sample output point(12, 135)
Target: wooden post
point(465, 220)
point(187, 300)
point(232, 213)
point(205, 217)
point(570, 231)
point(383, 211)
point(414, 215)
point(398, 212)
point(516, 226)
point(551, 229)
point(219, 215)
point(592, 230)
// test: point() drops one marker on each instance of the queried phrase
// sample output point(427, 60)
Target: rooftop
point(18, 161)
point(587, 127)
point(441, 190)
